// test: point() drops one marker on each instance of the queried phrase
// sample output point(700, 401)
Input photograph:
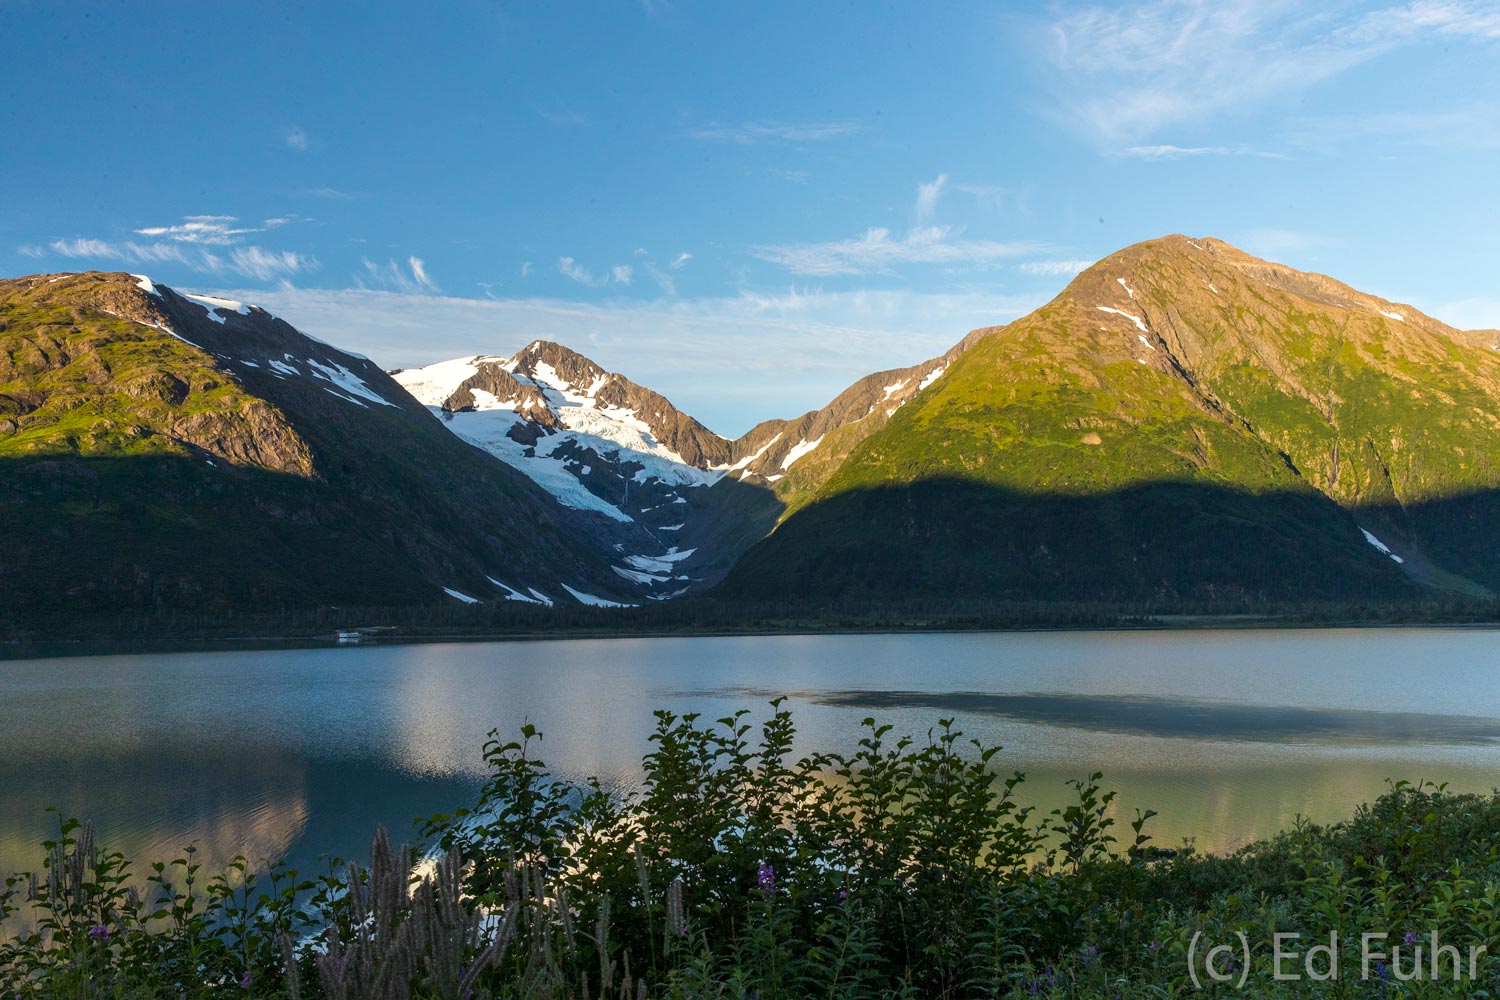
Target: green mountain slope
point(159, 451)
point(1184, 421)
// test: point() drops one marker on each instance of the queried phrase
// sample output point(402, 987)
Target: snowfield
point(1380, 545)
point(1119, 312)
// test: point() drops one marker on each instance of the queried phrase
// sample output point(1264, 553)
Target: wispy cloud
point(244, 261)
point(207, 230)
point(526, 267)
point(329, 194)
point(570, 268)
point(1055, 268)
point(1452, 19)
point(267, 265)
point(680, 261)
point(80, 247)
point(1126, 72)
point(419, 272)
point(730, 360)
point(620, 274)
point(296, 138)
point(391, 276)
point(1473, 127)
point(747, 133)
point(928, 195)
point(878, 251)
point(1181, 152)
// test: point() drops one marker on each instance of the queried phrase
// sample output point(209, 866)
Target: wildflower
point(99, 932)
point(843, 897)
point(245, 980)
point(765, 877)
point(1411, 937)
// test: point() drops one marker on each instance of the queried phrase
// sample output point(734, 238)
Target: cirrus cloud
point(878, 251)
point(748, 133)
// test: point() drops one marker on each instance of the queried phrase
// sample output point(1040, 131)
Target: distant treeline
point(62, 631)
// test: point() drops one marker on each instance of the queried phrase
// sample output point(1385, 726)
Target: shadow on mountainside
point(1155, 542)
point(148, 534)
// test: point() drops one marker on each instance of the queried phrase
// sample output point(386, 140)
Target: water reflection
point(1176, 717)
point(308, 750)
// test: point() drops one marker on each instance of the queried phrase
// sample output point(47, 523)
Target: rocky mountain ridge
point(1183, 423)
point(202, 453)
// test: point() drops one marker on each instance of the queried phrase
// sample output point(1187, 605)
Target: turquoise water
point(1228, 734)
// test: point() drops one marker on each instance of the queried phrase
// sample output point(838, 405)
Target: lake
point(1228, 734)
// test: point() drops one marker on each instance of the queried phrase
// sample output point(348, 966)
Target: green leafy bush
point(905, 868)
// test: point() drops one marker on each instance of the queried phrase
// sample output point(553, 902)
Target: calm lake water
point(1229, 735)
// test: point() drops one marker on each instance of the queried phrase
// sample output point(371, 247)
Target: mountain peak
point(208, 454)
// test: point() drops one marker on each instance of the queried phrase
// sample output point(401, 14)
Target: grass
point(908, 868)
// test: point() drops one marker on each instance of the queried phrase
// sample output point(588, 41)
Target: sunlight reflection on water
point(1228, 734)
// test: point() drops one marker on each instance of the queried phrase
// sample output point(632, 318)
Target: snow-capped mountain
point(593, 439)
point(229, 460)
point(683, 501)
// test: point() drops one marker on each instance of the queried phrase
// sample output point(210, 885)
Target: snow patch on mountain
point(511, 593)
point(435, 383)
point(460, 596)
point(592, 601)
point(212, 304)
point(347, 381)
point(1380, 545)
point(639, 576)
point(751, 459)
point(488, 427)
point(662, 563)
point(798, 450)
point(155, 326)
point(610, 428)
point(1134, 319)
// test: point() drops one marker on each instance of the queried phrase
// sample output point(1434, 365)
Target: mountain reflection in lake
point(1228, 734)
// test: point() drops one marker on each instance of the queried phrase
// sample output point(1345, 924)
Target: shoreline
point(14, 650)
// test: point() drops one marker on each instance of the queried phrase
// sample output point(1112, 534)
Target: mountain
point(169, 451)
point(594, 440)
point(681, 502)
point(1184, 422)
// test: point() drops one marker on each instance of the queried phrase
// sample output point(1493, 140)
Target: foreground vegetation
point(907, 869)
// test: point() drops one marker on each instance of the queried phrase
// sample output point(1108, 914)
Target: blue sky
point(745, 206)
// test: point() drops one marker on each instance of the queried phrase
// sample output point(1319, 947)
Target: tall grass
point(907, 868)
